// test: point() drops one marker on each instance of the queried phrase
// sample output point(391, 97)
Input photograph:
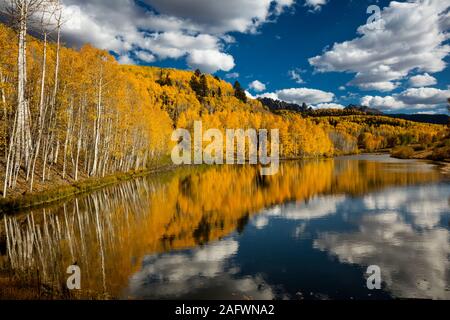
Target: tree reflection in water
point(122, 232)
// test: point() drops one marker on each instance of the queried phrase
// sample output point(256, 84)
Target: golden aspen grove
point(80, 114)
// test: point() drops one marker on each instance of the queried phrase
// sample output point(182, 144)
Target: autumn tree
point(20, 150)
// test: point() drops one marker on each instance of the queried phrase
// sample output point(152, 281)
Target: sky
point(326, 53)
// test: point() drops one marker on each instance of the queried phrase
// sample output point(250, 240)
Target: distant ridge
point(424, 118)
point(277, 106)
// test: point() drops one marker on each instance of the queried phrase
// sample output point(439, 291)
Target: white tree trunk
point(97, 126)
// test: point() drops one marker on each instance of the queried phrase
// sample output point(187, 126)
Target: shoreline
point(444, 166)
point(62, 192)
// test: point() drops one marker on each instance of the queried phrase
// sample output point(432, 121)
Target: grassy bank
point(17, 286)
point(439, 151)
point(60, 192)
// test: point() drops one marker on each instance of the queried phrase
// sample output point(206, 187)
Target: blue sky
point(268, 46)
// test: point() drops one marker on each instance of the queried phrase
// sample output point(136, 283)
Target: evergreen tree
point(239, 93)
point(203, 86)
point(164, 81)
point(200, 87)
point(195, 85)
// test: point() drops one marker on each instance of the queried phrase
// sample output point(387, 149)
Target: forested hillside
point(351, 110)
point(71, 114)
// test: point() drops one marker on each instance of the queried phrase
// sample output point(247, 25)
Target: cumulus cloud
point(168, 28)
point(328, 106)
point(315, 5)
point(300, 95)
point(413, 98)
point(219, 17)
point(382, 103)
point(422, 80)
point(257, 86)
point(424, 96)
point(383, 86)
point(145, 56)
point(210, 60)
point(412, 38)
point(125, 59)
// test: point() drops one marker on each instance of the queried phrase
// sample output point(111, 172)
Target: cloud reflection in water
point(205, 271)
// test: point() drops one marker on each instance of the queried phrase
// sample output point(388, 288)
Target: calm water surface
point(228, 233)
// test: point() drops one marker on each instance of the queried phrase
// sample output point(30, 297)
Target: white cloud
point(219, 17)
point(328, 106)
point(422, 80)
point(232, 75)
point(175, 29)
point(414, 98)
point(270, 95)
point(249, 95)
point(176, 44)
point(300, 95)
point(125, 59)
point(379, 86)
point(424, 96)
point(412, 38)
point(145, 56)
point(257, 86)
point(382, 103)
point(295, 75)
point(210, 61)
point(316, 5)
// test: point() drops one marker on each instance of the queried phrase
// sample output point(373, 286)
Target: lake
point(226, 232)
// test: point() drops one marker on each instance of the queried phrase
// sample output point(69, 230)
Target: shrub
point(420, 147)
point(440, 154)
point(402, 152)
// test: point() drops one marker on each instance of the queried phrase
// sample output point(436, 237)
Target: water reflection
point(202, 272)
point(403, 232)
point(227, 232)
